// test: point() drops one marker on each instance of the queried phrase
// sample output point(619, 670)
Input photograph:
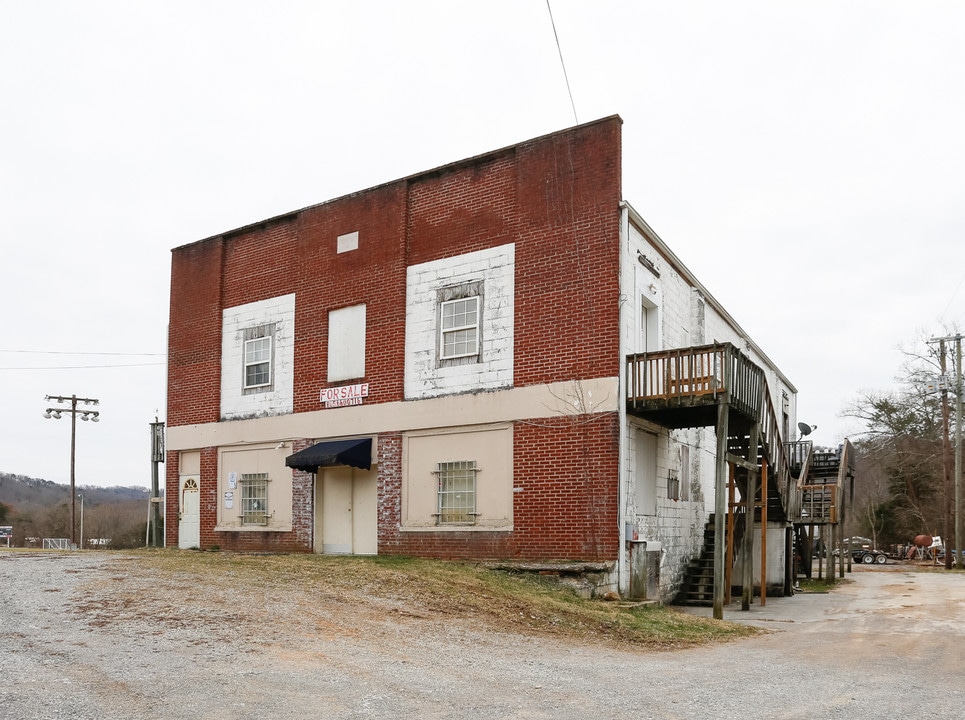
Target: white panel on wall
point(425, 375)
point(278, 398)
point(346, 343)
point(347, 242)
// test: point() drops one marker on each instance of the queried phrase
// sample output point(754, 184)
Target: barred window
point(254, 499)
point(457, 492)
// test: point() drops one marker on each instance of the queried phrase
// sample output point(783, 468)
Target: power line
point(562, 64)
point(67, 352)
point(952, 299)
point(82, 367)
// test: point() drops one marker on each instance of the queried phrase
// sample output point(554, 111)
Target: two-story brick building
point(450, 365)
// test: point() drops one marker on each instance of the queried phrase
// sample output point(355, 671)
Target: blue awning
point(356, 453)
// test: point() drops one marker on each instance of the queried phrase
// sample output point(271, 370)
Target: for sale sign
point(344, 396)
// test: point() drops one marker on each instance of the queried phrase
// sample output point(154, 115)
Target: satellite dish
point(806, 429)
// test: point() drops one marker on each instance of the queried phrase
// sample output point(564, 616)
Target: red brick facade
point(557, 200)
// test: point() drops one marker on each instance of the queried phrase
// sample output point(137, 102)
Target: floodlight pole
point(55, 412)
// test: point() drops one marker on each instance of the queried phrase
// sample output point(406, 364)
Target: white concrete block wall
point(235, 404)
point(424, 376)
point(679, 525)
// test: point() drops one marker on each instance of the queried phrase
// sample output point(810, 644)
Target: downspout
point(623, 576)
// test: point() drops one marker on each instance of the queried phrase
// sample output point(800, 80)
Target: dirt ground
point(85, 635)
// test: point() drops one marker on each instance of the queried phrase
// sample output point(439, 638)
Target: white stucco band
point(533, 401)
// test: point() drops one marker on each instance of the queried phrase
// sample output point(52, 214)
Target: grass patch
point(440, 591)
point(815, 585)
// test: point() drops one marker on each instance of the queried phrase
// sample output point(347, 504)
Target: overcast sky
point(805, 160)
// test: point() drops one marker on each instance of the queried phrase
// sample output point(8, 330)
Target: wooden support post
point(763, 532)
point(789, 569)
point(731, 506)
point(822, 551)
point(839, 545)
point(747, 551)
point(829, 546)
point(720, 505)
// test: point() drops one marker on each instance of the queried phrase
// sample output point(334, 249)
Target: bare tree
point(902, 489)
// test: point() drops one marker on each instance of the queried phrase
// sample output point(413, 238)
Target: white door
point(649, 340)
point(346, 520)
point(645, 475)
point(189, 519)
point(365, 518)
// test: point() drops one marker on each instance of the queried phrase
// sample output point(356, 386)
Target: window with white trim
point(258, 356)
point(254, 499)
point(460, 323)
point(460, 328)
point(457, 492)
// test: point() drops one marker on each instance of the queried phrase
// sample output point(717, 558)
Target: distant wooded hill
point(40, 508)
point(23, 493)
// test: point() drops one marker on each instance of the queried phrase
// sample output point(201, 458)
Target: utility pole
point(55, 413)
point(957, 338)
point(958, 453)
point(157, 456)
point(946, 453)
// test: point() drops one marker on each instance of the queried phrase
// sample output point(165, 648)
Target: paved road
point(890, 644)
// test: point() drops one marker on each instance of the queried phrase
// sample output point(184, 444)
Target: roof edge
point(438, 170)
point(651, 234)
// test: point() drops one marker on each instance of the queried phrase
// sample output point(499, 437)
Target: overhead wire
point(952, 299)
point(82, 367)
point(67, 352)
point(562, 64)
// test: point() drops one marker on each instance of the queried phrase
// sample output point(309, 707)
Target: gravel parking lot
point(76, 642)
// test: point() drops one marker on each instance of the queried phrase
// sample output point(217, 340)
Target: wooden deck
point(683, 388)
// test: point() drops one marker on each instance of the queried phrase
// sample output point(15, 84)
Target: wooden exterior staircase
point(698, 585)
point(823, 481)
point(718, 386)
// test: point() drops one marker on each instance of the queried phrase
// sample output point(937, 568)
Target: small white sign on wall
point(344, 396)
point(229, 500)
point(232, 480)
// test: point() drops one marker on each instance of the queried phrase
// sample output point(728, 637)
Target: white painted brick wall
point(423, 378)
point(280, 399)
point(679, 526)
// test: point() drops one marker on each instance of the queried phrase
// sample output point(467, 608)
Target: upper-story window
point(460, 328)
point(460, 323)
point(258, 357)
